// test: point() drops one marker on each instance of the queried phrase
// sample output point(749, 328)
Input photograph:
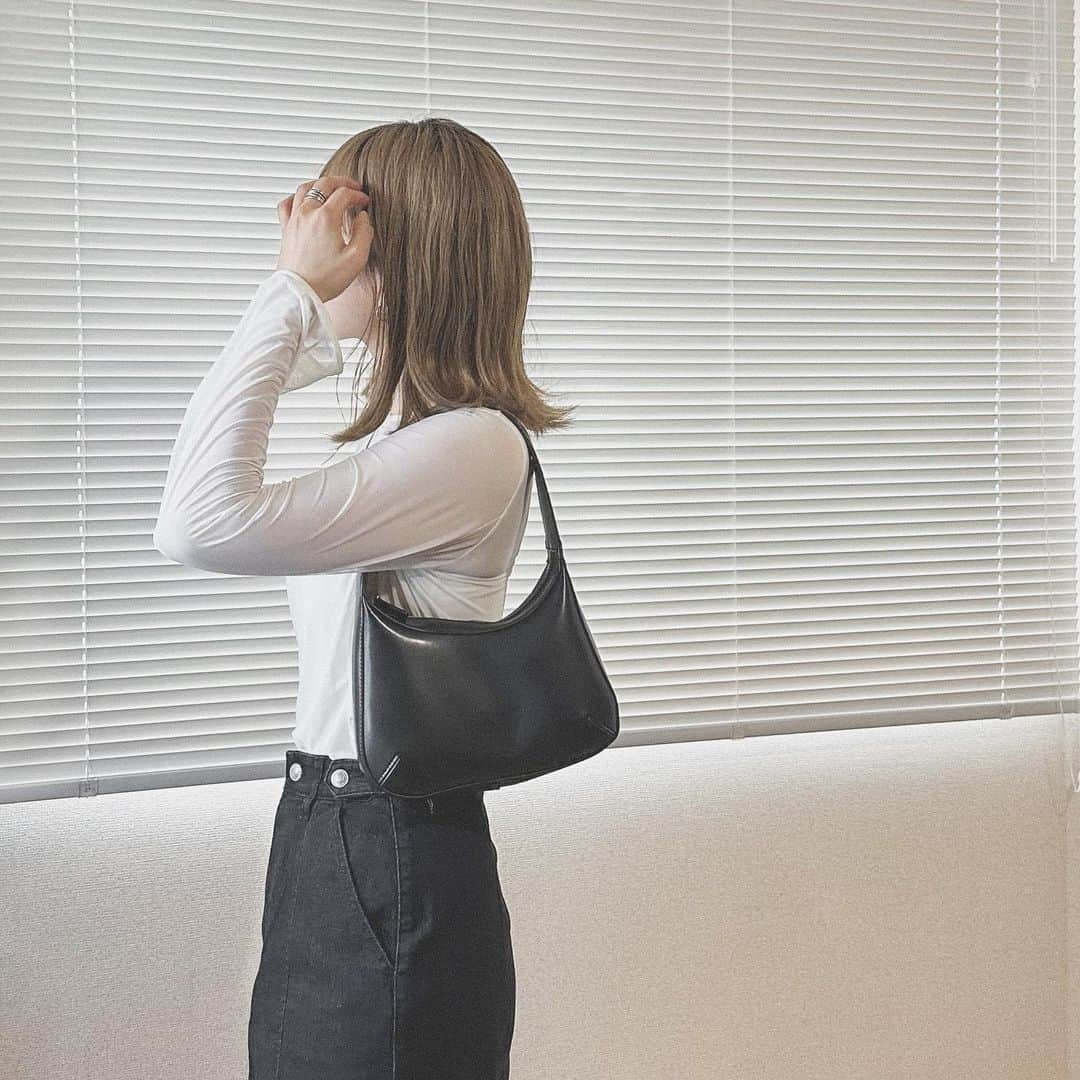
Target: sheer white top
point(436, 511)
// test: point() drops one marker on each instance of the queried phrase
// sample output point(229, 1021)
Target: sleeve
point(423, 495)
point(319, 353)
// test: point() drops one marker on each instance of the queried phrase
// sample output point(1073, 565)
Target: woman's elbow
point(223, 548)
point(174, 539)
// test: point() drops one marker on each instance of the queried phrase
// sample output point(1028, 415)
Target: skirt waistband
point(317, 776)
point(322, 776)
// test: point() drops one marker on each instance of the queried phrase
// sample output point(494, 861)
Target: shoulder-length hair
point(452, 249)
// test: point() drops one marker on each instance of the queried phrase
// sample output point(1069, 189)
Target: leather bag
point(446, 704)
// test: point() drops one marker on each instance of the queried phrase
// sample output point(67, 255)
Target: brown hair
point(451, 245)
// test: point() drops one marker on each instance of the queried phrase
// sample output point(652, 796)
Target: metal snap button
point(339, 778)
point(295, 771)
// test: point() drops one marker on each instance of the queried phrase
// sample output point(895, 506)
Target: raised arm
point(420, 496)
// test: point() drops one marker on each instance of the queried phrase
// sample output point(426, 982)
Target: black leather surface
point(445, 703)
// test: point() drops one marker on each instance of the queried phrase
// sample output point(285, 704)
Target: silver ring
point(315, 193)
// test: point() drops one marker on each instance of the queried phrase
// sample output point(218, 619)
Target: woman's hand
point(313, 233)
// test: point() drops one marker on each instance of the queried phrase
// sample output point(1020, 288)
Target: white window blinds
point(805, 268)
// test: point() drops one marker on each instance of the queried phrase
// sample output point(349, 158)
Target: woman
point(386, 949)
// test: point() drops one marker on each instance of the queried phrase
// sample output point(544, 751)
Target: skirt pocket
point(369, 862)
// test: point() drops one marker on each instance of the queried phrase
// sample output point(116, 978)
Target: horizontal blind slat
point(822, 467)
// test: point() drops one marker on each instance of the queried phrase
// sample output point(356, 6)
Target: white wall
point(1072, 892)
point(874, 904)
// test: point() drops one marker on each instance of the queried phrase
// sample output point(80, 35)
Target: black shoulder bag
point(443, 704)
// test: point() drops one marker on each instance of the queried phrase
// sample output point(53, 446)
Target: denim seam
point(397, 941)
point(288, 942)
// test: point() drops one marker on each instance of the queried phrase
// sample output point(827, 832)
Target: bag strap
point(552, 540)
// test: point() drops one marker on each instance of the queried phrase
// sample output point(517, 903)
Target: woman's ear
point(351, 309)
point(347, 221)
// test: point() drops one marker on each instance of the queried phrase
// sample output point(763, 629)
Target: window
point(806, 269)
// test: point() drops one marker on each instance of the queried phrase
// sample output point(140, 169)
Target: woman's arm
point(420, 496)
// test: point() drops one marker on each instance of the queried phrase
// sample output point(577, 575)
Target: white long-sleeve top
point(435, 511)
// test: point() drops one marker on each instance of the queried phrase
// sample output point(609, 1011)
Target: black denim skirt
point(386, 951)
